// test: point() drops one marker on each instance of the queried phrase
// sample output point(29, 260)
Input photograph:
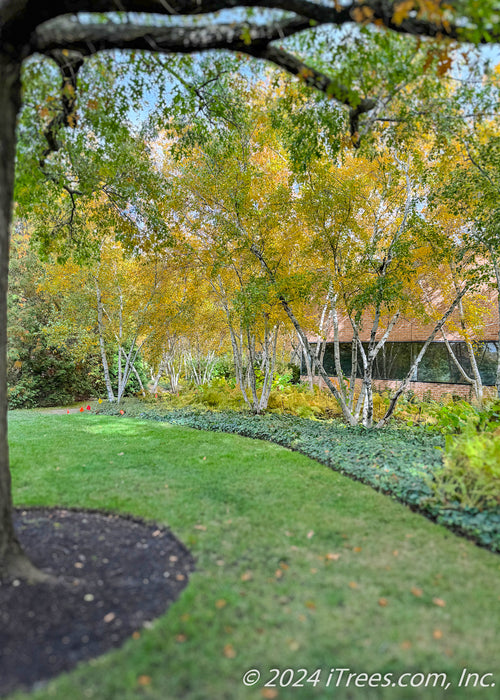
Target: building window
point(395, 359)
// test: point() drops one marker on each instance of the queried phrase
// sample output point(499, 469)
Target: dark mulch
point(117, 574)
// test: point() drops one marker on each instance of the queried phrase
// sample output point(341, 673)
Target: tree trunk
point(102, 346)
point(307, 362)
point(138, 377)
point(496, 267)
point(13, 561)
point(272, 342)
point(336, 346)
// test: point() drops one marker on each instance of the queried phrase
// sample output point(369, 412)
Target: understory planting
point(404, 462)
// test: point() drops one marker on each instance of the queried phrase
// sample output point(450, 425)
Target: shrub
point(471, 472)
point(453, 417)
point(47, 376)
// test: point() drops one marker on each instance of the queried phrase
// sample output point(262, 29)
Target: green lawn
point(265, 526)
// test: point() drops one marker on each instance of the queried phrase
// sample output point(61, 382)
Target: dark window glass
point(395, 359)
point(437, 366)
point(487, 357)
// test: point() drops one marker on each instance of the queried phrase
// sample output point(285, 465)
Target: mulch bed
point(116, 574)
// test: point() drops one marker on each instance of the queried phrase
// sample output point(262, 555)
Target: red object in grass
point(81, 410)
point(156, 396)
point(122, 412)
point(88, 408)
point(67, 411)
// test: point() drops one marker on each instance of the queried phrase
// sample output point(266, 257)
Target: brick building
point(437, 373)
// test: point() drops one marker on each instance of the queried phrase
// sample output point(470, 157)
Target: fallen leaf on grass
point(310, 534)
point(219, 604)
point(278, 573)
point(406, 644)
point(332, 556)
point(357, 549)
point(418, 592)
point(229, 651)
point(437, 634)
point(247, 576)
point(181, 638)
point(144, 680)
point(310, 604)
point(439, 602)
point(353, 584)
point(382, 602)
point(269, 693)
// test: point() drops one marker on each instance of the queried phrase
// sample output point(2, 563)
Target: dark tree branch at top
point(20, 18)
point(69, 63)
point(87, 39)
point(27, 27)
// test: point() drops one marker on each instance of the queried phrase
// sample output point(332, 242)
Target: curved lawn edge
point(395, 462)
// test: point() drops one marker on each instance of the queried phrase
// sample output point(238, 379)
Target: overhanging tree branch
point(441, 21)
point(64, 35)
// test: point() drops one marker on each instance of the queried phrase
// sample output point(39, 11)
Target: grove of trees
point(242, 205)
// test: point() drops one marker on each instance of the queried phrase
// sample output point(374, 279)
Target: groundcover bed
point(396, 461)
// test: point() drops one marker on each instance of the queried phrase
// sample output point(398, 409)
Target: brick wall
point(408, 329)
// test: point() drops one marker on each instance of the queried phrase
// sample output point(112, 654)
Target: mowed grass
point(297, 566)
